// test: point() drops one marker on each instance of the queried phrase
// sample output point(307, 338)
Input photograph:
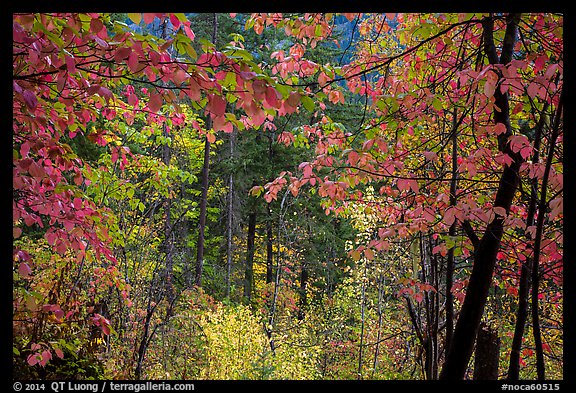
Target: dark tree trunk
point(542, 205)
point(485, 253)
point(202, 218)
point(269, 251)
point(451, 232)
point(524, 287)
point(229, 220)
point(487, 355)
point(249, 267)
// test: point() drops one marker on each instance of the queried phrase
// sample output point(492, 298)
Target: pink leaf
point(155, 102)
point(24, 270)
point(272, 96)
point(449, 216)
point(133, 99)
point(489, 87)
point(46, 356)
point(34, 359)
point(59, 353)
point(500, 211)
point(403, 184)
point(500, 128)
point(149, 17)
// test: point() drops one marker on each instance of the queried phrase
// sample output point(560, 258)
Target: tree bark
point(487, 355)
point(269, 250)
point(485, 253)
point(249, 265)
point(451, 232)
point(229, 224)
point(525, 269)
point(542, 204)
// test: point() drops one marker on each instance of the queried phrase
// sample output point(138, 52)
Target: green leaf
point(308, 103)
point(191, 51)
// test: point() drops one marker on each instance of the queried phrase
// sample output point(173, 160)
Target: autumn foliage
point(437, 139)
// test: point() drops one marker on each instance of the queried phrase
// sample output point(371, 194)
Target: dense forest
point(287, 196)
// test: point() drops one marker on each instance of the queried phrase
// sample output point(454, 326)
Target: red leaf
point(50, 237)
point(353, 157)
point(294, 99)
point(189, 32)
point(247, 75)
point(133, 63)
point(30, 99)
point(155, 102)
point(96, 25)
point(36, 170)
point(221, 124)
point(369, 254)
point(70, 64)
point(272, 96)
point(175, 21)
point(500, 128)
point(149, 17)
point(403, 184)
point(105, 92)
point(122, 53)
point(216, 105)
point(449, 216)
point(133, 99)
point(24, 270)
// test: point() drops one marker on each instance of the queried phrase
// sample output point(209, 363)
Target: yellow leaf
point(136, 17)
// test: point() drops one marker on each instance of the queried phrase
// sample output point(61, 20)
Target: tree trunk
point(451, 232)
point(204, 197)
point(542, 205)
point(229, 229)
point(485, 253)
point(380, 313)
point(487, 355)
point(249, 267)
point(168, 232)
point(362, 323)
point(526, 267)
point(269, 251)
